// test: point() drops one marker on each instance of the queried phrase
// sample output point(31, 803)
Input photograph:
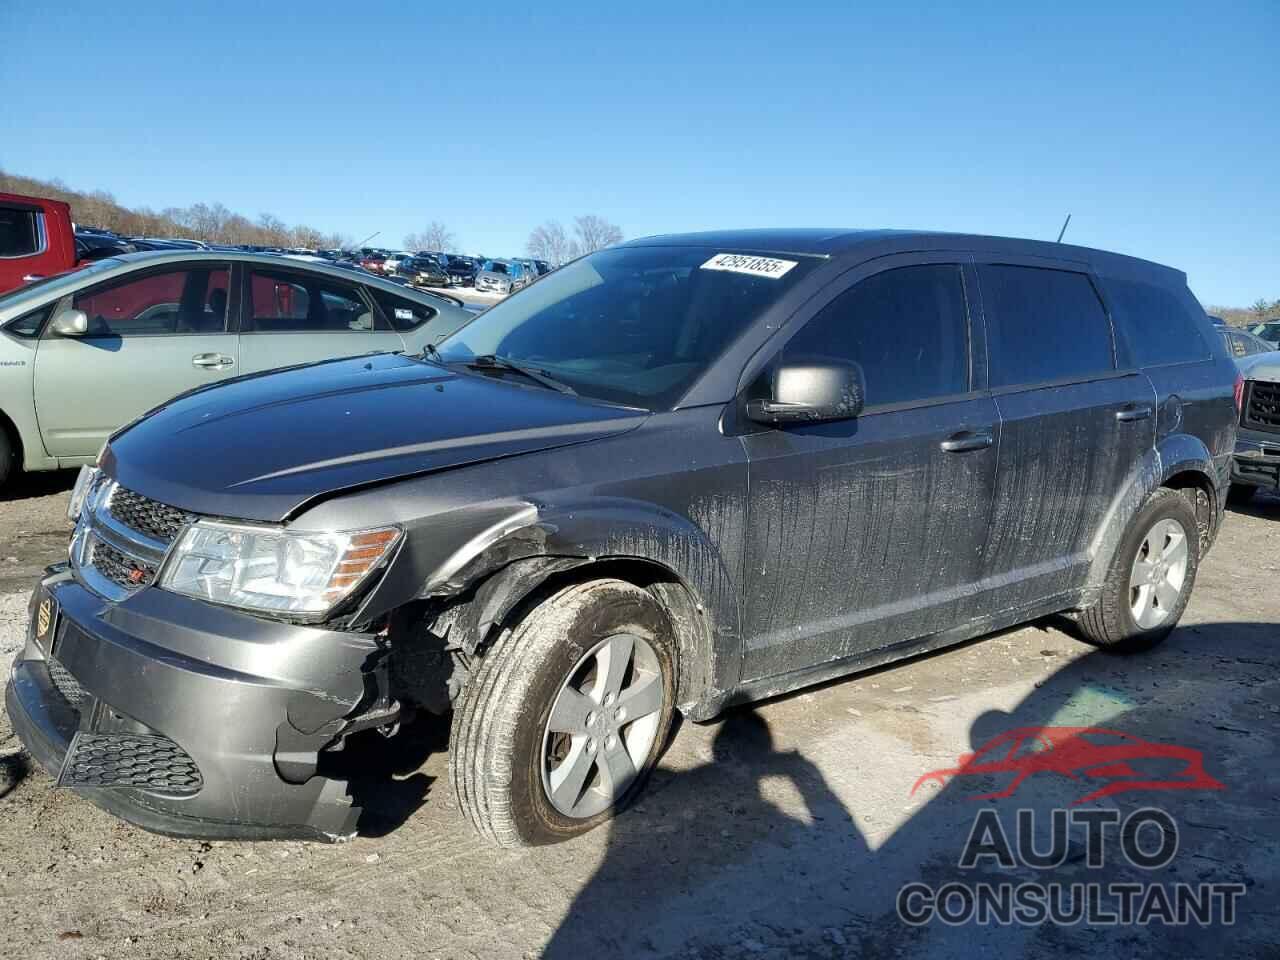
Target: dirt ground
point(783, 830)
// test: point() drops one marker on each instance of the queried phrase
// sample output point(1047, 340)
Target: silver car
point(85, 352)
point(500, 276)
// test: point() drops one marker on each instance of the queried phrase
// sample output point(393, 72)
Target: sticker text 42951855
point(750, 265)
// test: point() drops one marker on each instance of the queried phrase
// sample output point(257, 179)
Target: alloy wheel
point(603, 726)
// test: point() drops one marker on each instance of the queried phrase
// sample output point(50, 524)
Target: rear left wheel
point(566, 715)
point(1151, 576)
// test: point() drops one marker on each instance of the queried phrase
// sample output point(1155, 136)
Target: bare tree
point(437, 238)
point(549, 242)
point(595, 233)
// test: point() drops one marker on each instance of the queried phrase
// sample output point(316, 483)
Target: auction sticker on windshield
point(752, 266)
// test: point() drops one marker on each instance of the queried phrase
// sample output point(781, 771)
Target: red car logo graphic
point(1079, 752)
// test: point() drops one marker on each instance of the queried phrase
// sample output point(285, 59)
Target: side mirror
point(812, 393)
point(70, 323)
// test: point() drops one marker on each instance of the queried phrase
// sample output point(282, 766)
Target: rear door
point(867, 532)
point(152, 335)
point(1074, 426)
point(292, 316)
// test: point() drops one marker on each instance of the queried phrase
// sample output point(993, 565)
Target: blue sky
point(1154, 124)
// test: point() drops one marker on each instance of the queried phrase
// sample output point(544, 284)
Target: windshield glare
point(632, 325)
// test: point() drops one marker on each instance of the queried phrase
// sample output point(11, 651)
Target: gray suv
point(675, 475)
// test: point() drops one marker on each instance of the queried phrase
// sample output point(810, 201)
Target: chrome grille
point(122, 538)
point(1262, 406)
point(133, 760)
point(118, 567)
point(158, 521)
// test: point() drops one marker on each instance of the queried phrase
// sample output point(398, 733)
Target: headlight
point(273, 569)
point(84, 483)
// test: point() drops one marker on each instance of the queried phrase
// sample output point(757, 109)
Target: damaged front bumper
point(194, 720)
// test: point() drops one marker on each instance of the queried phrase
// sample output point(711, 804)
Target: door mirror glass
point(813, 392)
point(70, 323)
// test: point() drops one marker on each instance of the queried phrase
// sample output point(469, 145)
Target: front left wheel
point(566, 715)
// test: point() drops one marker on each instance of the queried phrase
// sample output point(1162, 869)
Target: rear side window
point(1156, 324)
point(1043, 325)
point(401, 313)
point(19, 232)
point(286, 302)
point(908, 329)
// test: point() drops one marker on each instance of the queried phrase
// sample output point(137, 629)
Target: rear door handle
point(1133, 412)
point(967, 440)
point(216, 361)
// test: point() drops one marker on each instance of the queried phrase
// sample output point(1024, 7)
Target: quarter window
point(1043, 325)
point(1157, 325)
point(402, 314)
point(19, 232)
point(283, 302)
point(907, 328)
point(174, 302)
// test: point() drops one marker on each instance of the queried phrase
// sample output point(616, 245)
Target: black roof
point(867, 244)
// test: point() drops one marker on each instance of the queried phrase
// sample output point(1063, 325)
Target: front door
point(152, 335)
point(291, 317)
point(867, 532)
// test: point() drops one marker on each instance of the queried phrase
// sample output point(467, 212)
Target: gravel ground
point(783, 830)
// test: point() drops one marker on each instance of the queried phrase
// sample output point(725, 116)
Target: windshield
point(494, 267)
point(632, 325)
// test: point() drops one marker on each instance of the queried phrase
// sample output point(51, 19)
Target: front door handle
point(967, 440)
point(214, 361)
point(1133, 411)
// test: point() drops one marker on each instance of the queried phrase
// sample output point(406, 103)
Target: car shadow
point(26, 486)
point(383, 775)
point(754, 853)
point(14, 768)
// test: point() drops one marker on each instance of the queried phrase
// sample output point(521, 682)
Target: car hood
point(261, 447)
point(1261, 366)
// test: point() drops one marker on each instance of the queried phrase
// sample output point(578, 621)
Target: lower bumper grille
point(146, 762)
point(66, 684)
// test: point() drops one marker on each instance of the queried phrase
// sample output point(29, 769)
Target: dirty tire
point(1240, 494)
point(1109, 622)
point(496, 744)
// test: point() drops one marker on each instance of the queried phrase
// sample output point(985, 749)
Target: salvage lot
point(784, 830)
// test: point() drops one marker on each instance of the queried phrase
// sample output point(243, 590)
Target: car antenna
point(1064, 227)
point(366, 239)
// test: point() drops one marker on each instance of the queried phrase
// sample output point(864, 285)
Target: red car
point(37, 239)
point(1080, 753)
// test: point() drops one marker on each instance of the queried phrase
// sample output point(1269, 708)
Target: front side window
point(1156, 324)
point(286, 302)
point(630, 325)
point(186, 301)
point(907, 328)
point(1043, 325)
point(19, 232)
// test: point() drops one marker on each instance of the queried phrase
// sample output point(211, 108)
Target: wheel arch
point(509, 565)
point(1180, 462)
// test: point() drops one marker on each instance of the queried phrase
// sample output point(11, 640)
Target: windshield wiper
point(492, 360)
